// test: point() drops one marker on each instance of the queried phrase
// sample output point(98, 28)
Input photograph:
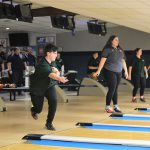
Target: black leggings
point(37, 102)
point(138, 82)
point(113, 80)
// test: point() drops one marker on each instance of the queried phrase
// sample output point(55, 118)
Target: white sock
point(116, 106)
point(108, 107)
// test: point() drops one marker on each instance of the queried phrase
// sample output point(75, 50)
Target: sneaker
point(33, 114)
point(50, 127)
point(142, 100)
point(117, 109)
point(134, 100)
point(109, 110)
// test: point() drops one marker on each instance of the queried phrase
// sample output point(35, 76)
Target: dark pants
point(10, 77)
point(138, 82)
point(17, 77)
point(37, 102)
point(113, 80)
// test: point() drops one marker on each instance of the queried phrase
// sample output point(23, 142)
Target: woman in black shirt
point(138, 74)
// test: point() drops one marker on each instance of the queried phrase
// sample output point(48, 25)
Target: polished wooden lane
point(126, 122)
point(17, 121)
point(36, 147)
point(84, 132)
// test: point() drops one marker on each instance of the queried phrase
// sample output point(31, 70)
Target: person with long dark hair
point(138, 75)
point(112, 61)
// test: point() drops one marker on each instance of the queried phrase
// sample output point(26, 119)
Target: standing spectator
point(3, 71)
point(30, 68)
point(138, 74)
point(17, 66)
point(1, 66)
point(10, 54)
point(60, 64)
point(30, 61)
point(112, 59)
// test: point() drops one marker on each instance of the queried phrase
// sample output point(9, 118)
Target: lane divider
point(118, 127)
point(39, 137)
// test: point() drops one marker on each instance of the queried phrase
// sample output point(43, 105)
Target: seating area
point(87, 87)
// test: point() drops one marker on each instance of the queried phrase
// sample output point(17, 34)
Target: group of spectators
point(15, 63)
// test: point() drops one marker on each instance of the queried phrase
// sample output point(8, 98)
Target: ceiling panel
point(130, 13)
point(114, 11)
point(42, 25)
